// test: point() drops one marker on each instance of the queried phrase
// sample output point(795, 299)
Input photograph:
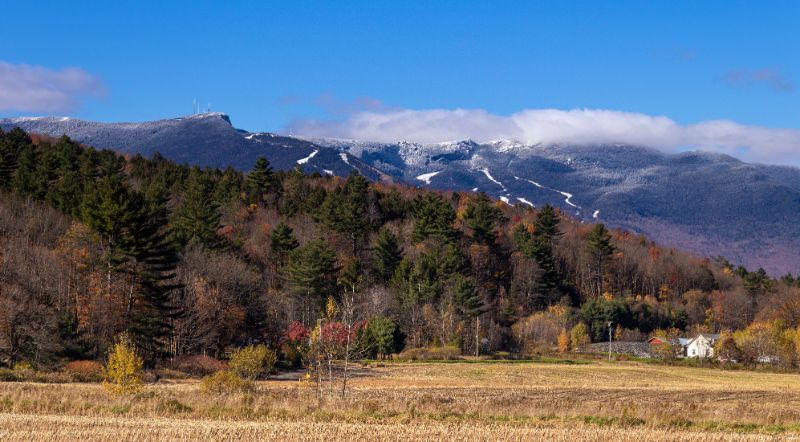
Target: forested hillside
point(198, 261)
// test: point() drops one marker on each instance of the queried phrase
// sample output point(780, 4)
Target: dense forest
point(195, 261)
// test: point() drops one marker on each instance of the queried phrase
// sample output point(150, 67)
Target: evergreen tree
point(451, 260)
point(65, 191)
point(344, 210)
point(350, 279)
point(434, 218)
point(482, 217)
point(9, 156)
point(382, 334)
point(228, 188)
point(156, 258)
point(110, 211)
point(24, 179)
point(260, 179)
point(388, 254)
point(198, 219)
point(541, 250)
point(311, 271)
point(425, 284)
point(466, 299)
point(392, 205)
point(282, 242)
point(599, 250)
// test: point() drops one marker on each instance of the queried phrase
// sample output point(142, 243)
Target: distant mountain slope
point(708, 203)
point(205, 139)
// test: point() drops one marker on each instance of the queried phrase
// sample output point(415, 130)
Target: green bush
point(225, 382)
point(252, 362)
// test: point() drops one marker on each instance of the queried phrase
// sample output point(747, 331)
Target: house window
point(693, 352)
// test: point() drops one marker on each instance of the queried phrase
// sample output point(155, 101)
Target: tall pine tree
point(482, 217)
point(434, 218)
point(388, 254)
point(599, 250)
point(260, 179)
point(282, 242)
point(198, 218)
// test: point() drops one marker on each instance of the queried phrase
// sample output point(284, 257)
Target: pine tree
point(282, 242)
point(9, 155)
point(344, 209)
point(156, 258)
point(467, 301)
point(482, 217)
point(434, 218)
point(24, 179)
point(350, 279)
point(110, 211)
point(388, 254)
point(198, 219)
point(541, 250)
point(382, 334)
point(260, 179)
point(311, 271)
point(599, 250)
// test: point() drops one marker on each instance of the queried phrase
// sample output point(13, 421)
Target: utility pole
point(609, 341)
point(477, 336)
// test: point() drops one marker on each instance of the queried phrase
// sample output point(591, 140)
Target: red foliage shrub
point(84, 367)
point(296, 332)
point(84, 371)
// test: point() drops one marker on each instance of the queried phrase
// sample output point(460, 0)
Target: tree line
point(190, 260)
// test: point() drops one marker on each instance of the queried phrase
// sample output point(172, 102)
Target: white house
point(701, 346)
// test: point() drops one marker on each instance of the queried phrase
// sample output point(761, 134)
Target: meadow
point(428, 401)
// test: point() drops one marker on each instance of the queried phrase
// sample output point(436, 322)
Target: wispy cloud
point(553, 126)
point(27, 88)
point(771, 77)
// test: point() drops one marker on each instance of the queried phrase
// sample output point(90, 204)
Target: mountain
point(708, 203)
point(205, 139)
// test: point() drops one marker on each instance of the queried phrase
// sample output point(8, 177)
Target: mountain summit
point(708, 203)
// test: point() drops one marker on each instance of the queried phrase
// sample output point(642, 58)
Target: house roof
point(707, 336)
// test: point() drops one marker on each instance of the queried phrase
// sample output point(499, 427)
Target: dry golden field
point(429, 401)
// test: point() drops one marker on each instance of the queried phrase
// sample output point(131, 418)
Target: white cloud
point(26, 88)
point(553, 126)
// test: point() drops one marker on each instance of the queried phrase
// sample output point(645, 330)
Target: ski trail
point(426, 177)
point(308, 158)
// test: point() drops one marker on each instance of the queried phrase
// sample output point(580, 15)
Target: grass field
point(429, 401)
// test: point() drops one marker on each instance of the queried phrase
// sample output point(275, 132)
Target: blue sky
point(275, 65)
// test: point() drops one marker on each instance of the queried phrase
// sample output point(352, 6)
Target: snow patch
point(475, 189)
point(308, 158)
point(595, 214)
point(505, 200)
point(329, 172)
point(344, 158)
point(426, 177)
point(491, 178)
point(523, 200)
point(567, 196)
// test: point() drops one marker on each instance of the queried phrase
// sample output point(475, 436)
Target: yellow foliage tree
point(579, 336)
point(563, 341)
point(252, 362)
point(123, 370)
